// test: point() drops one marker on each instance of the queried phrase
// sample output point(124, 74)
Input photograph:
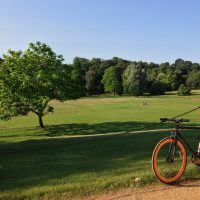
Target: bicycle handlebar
point(174, 120)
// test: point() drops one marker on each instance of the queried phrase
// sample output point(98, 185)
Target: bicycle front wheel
point(169, 160)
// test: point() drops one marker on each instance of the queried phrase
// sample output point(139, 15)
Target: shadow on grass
point(78, 161)
point(38, 162)
point(84, 129)
point(101, 128)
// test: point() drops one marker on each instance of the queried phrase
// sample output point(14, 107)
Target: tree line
point(30, 79)
point(119, 76)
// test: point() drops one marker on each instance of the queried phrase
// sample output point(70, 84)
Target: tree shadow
point(55, 160)
point(101, 128)
point(38, 162)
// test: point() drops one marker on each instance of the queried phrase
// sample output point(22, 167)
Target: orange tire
point(165, 170)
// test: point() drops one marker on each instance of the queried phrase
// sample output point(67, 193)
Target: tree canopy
point(133, 79)
point(112, 80)
point(29, 80)
point(193, 79)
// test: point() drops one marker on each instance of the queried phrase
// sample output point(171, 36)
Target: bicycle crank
point(195, 160)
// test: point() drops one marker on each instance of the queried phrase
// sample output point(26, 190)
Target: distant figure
point(144, 103)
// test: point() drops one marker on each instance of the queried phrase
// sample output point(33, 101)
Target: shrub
point(184, 90)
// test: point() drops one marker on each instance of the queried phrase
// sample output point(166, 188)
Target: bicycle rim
point(169, 171)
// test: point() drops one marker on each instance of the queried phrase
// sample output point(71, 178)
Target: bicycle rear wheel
point(169, 160)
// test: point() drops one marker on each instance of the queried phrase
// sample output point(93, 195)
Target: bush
point(184, 90)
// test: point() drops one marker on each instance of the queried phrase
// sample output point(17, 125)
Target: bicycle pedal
point(197, 162)
point(196, 159)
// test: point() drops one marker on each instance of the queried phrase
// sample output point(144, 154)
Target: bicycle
point(169, 157)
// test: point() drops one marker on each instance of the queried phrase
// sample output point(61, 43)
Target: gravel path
point(182, 191)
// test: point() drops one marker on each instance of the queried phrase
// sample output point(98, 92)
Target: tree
point(195, 66)
point(193, 79)
point(184, 90)
point(31, 79)
point(161, 77)
point(97, 68)
point(157, 88)
point(1, 61)
point(180, 70)
point(91, 81)
point(112, 81)
point(82, 65)
point(134, 78)
point(170, 80)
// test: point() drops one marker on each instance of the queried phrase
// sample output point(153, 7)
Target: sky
point(148, 30)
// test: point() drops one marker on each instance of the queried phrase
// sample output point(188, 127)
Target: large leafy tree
point(82, 66)
point(91, 78)
point(134, 78)
point(29, 80)
point(112, 80)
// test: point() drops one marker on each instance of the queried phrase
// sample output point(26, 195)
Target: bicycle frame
point(177, 135)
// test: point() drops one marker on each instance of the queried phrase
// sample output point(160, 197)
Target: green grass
point(51, 163)
point(100, 110)
point(79, 166)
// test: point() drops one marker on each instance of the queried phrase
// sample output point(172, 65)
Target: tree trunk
point(40, 121)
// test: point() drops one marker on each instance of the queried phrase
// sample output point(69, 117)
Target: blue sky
point(148, 30)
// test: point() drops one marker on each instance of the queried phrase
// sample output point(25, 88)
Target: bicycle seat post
point(177, 125)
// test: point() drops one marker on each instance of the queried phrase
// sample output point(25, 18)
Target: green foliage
point(193, 79)
point(31, 79)
point(90, 73)
point(112, 81)
point(1, 61)
point(134, 80)
point(172, 76)
point(91, 81)
point(184, 90)
point(94, 85)
point(157, 88)
point(81, 65)
point(161, 77)
point(88, 76)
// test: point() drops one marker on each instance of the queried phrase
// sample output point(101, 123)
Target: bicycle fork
point(172, 148)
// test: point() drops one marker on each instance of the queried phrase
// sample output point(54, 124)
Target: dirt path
point(182, 191)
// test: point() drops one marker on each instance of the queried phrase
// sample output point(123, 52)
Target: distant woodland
point(119, 76)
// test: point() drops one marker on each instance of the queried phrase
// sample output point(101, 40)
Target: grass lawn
point(50, 163)
point(98, 110)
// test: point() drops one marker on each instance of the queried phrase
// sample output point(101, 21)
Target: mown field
point(77, 156)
